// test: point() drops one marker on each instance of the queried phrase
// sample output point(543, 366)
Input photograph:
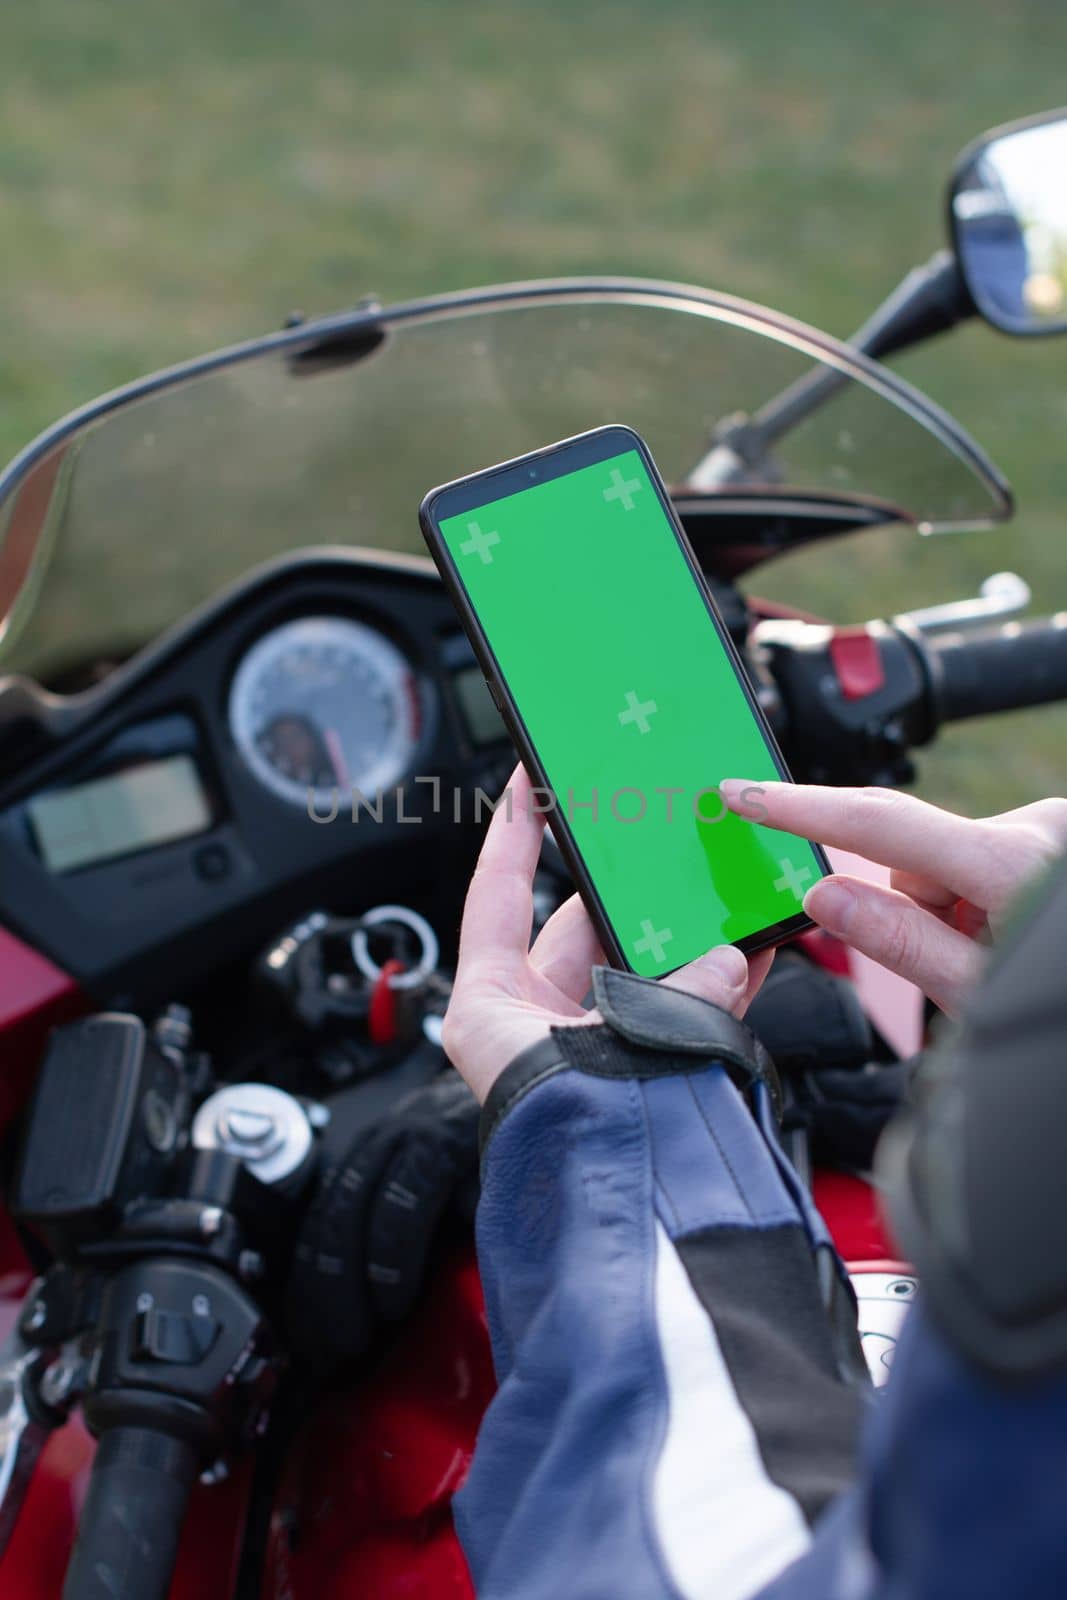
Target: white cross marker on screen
point(623, 489)
point(479, 543)
point(638, 712)
point(653, 942)
point(793, 879)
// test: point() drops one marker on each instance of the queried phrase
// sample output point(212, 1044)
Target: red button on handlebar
point(857, 662)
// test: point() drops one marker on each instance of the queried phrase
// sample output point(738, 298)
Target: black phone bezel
point(511, 477)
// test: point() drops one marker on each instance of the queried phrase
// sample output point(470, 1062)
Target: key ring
point(411, 977)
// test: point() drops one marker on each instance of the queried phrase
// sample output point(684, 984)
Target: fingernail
point(831, 905)
point(733, 788)
point(743, 796)
point(727, 962)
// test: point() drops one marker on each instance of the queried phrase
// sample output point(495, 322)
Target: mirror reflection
point(1009, 208)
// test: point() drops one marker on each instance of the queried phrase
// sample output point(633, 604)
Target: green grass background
point(176, 176)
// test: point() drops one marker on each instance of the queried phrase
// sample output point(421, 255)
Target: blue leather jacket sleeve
point(671, 1417)
point(671, 1420)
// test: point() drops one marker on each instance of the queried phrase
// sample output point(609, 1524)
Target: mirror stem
point(928, 301)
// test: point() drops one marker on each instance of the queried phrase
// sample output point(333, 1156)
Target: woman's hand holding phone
point(508, 995)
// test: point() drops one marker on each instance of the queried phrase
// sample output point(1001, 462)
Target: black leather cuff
point(650, 1030)
point(529, 1068)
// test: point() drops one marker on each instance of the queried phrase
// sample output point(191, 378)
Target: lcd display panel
point(152, 803)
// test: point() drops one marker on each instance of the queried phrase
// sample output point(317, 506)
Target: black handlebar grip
point(976, 675)
point(130, 1524)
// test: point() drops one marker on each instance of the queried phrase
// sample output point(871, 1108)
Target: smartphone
point(618, 682)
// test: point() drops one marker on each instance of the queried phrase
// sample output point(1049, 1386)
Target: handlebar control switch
point(178, 1338)
point(182, 1349)
point(853, 700)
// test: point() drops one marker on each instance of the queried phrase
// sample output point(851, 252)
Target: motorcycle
point(245, 761)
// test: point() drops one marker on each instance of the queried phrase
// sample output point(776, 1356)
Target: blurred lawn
point(180, 176)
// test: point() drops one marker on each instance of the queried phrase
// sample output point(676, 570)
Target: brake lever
point(1001, 595)
point(37, 1393)
point(23, 1428)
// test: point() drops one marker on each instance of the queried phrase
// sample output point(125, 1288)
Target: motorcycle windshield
point(122, 519)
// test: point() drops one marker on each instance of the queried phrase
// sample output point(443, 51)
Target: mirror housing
point(1008, 219)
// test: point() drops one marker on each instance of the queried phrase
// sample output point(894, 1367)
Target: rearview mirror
point(1008, 210)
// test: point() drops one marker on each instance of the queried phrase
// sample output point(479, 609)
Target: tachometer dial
point(322, 705)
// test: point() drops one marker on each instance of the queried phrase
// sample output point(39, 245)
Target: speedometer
point(324, 705)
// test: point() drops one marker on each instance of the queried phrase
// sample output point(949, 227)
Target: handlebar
point(1016, 665)
point(859, 728)
point(130, 1524)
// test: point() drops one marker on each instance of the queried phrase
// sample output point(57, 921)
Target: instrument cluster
point(191, 790)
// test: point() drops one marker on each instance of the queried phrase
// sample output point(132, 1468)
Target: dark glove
point(810, 1018)
point(361, 1252)
point(846, 1110)
point(815, 1028)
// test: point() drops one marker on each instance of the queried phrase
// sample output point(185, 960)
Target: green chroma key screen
point(633, 707)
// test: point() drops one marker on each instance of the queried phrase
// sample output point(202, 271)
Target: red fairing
point(365, 1506)
point(34, 996)
point(30, 986)
point(854, 1217)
